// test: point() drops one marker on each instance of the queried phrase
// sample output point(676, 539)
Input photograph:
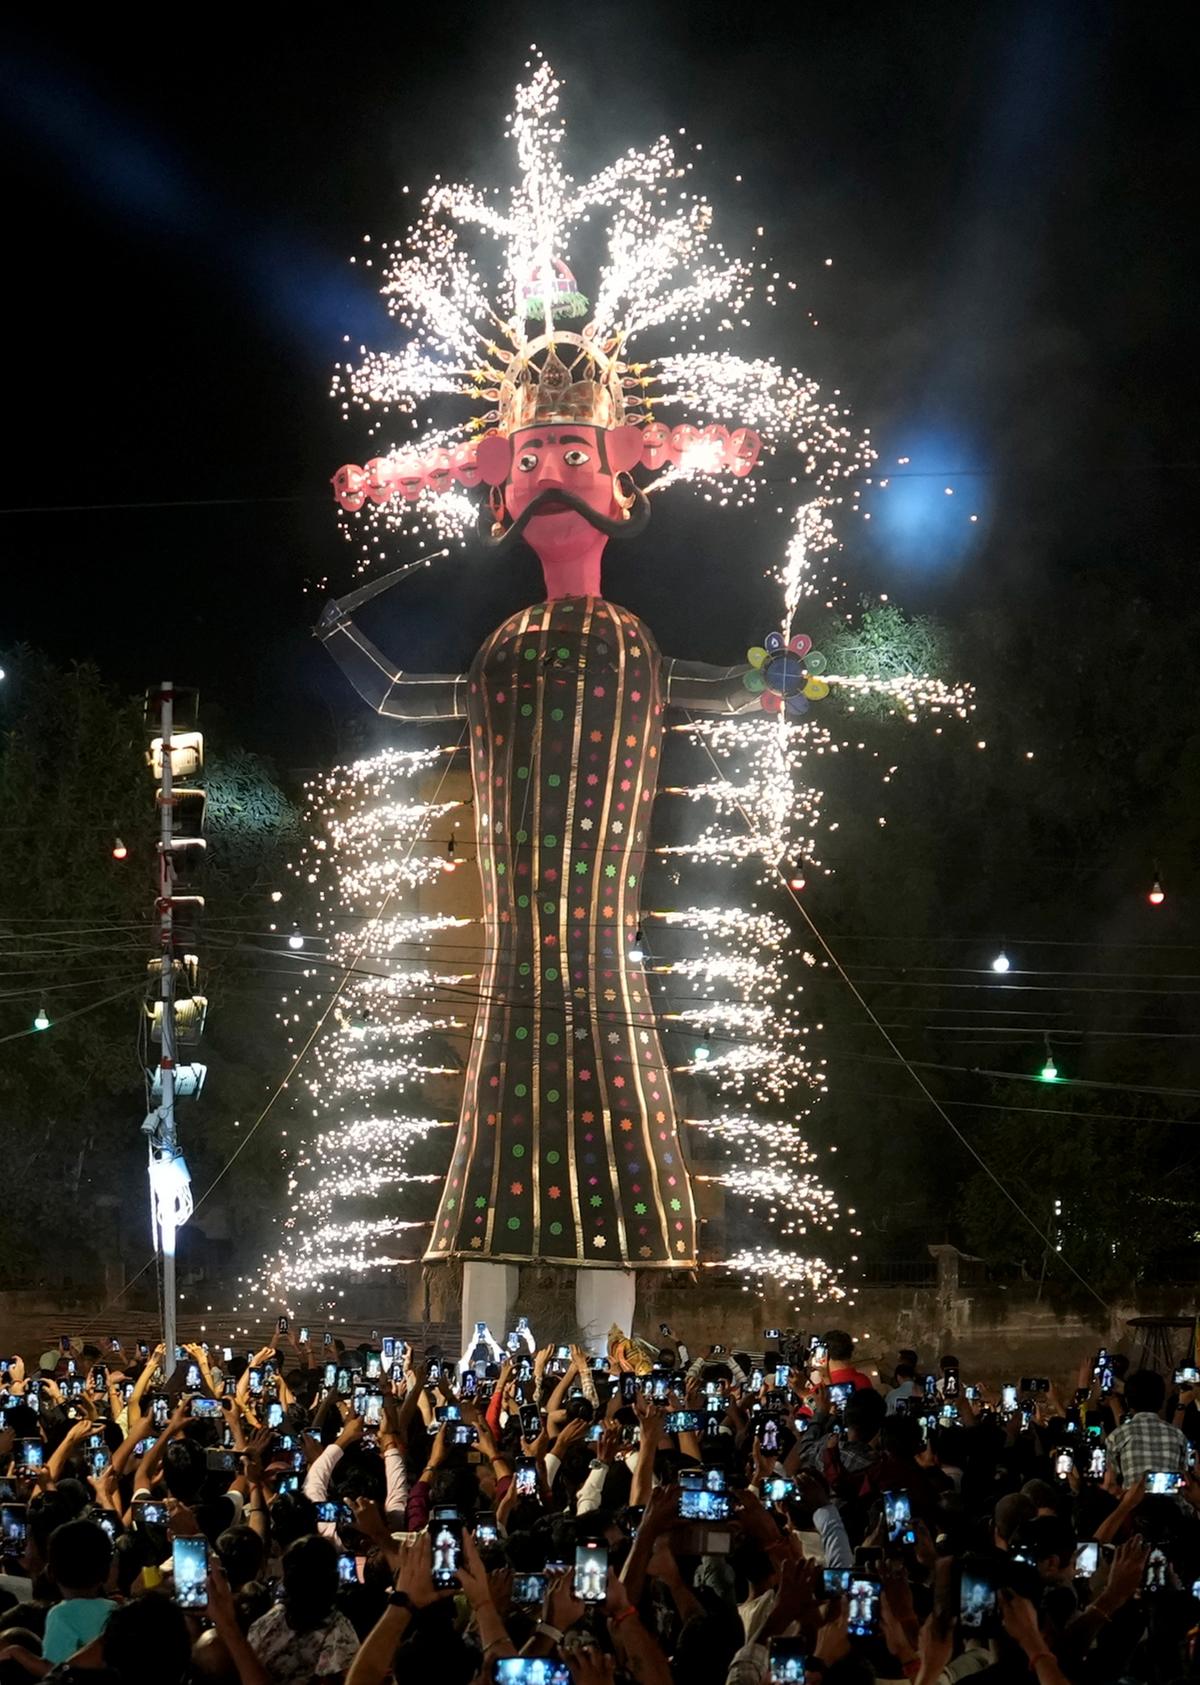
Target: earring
point(496, 503)
point(625, 491)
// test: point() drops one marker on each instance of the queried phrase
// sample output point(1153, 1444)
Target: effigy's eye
point(576, 458)
point(527, 461)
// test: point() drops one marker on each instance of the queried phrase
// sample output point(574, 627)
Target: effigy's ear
point(623, 448)
point(494, 458)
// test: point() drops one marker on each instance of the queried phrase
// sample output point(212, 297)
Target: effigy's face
point(562, 470)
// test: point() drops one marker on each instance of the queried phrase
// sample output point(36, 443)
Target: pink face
point(437, 472)
point(466, 468)
point(563, 457)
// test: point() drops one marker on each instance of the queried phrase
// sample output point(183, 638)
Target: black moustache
point(552, 501)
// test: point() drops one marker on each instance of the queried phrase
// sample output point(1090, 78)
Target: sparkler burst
point(465, 284)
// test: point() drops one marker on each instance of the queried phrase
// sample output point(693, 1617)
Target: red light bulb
point(119, 851)
point(1157, 894)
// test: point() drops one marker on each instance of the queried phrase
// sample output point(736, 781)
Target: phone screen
point(526, 1478)
point(897, 1510)
point(777, 1488)
point(1155, 1578)
point(31, 1454)
point(529, 1588)
point(781, 1374)
point(702, 1496)
point(347, 1569)
point(863, 1613)
point(1064, 1462)
point(486, 1531)
point(13, 1529)
point(835, 1582)
point(1163, 1484)
point(446, 1533)
point(591, 1572)
point(1087, 1560)
point(976, 1600)
point(529, 1670)
point(682, 1421)
point(256, 1380)
point(785, 1661)
point(189, 1560)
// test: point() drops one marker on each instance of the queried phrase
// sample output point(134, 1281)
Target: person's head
point(146, 1642)
point(908, 1357)
point(310, 1582)
point(567, 490)
point(949, 1362)
point(901, 1437)
point(1119, 1364)
point(1042, 1496)
point(864, 1414)
point(184, 1468)
point(903, 1372)
point(1012, 1511)
point(1049, 1543)
point(839, 1346)
point(241, 1552)
point(1145, 1390)
point(79, 1558)
point(293, 1516)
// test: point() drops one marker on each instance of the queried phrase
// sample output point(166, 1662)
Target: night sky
point(1004, 191)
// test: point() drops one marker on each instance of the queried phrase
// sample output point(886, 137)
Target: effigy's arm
point(386, 689)
point(702, 689)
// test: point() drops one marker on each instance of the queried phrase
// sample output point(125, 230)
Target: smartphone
point(1163, 1484)
point(445, 1532)
point(1064, 1462)
point(447, 1413)
point(149, 1512)
point(1155, 1577)
point(529, 1588)
point(698, 1502)
point(331, 1510)
point(777, 1488)
point(256, 1382)
point(781, 1374)
point(897, 1515)
point(99, 1460)
point(785, 1661)
point(373, 1412)
point(766, 1430)
point(470, 1384)
point(1087, 1560)
point(189, 1564)
point(682, 1421)
point(486, 1530)
point(282, 1326)
point(976, 1601)
point(660, 1388)
point(209, 1410)
point(99, 1377)
point(1097, 1463)
point(1187, 1376)
point(64, 1342)
point(14, 1529)
point(463, 1433)
point(374, 1366)
point(950, 1384)
point(529, 1670)
point(526, 1477)
point(863, 1611)
point(193, 1381)
point(525, 1369)
point(29, 1454)
point(840, 1394)
point(835, 1582)
point(388, 1348)
point(531, 1421)
point(347, 1569)
point(288, 1483)
point(629, 1388)
point(591, 1571)
point(221, 1462)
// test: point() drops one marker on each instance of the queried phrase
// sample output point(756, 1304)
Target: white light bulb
point(1000, 963)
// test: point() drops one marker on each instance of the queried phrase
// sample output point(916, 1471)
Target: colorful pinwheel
point(784, 673)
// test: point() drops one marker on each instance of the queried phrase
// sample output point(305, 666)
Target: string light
point(119, 851)
point(295, 941)
point(1049, 1070)
point(1157, 894)
point(1001, 962)
point(41, 1019)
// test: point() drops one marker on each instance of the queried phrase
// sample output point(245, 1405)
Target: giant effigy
point(583, 410)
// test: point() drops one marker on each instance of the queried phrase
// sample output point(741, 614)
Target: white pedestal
point(488, 1291)
point(603, 1297)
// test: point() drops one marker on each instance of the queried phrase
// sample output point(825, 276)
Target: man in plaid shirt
point(1144, 1443)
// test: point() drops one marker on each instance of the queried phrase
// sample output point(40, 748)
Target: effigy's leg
point(487, 1292)
point(602, 1298)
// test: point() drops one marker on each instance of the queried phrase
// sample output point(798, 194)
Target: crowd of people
point(531, 1516)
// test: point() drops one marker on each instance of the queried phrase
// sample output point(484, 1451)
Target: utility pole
point(180, 849)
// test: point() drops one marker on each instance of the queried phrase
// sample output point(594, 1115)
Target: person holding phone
point(305, 1637)
point(78, 1561)
point(1144, 1443)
